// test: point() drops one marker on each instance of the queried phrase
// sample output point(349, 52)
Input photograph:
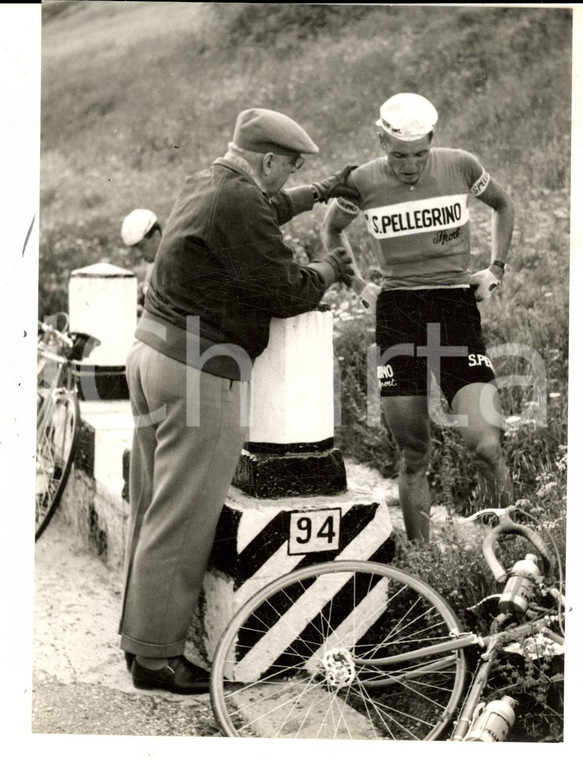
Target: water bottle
point(519, 586)
point(494, 722)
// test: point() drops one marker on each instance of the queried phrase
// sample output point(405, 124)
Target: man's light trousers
point(187, 440)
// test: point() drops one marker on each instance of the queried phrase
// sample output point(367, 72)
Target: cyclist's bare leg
point(480, 402)
point(408, 420)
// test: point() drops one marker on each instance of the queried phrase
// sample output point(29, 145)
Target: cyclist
point(414, 200)
point(141, 231)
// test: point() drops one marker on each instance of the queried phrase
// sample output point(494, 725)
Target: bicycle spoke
point(377, 710)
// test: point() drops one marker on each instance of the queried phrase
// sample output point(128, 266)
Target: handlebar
point(78, 345)
point(508, 526)
point(57, 334)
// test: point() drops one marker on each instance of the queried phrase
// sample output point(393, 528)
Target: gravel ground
point(94, 709)
point(80, 682)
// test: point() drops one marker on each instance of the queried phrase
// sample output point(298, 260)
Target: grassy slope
point(137, 94)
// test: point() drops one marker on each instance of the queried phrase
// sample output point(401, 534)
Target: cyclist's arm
point(502, 221)
point(335, 222)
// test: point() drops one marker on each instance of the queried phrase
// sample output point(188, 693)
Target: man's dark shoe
point(180, 676)
point(129, 660)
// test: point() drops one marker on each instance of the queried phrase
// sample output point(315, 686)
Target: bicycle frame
point(491, 643)
point(70, 348)
point(463, 641)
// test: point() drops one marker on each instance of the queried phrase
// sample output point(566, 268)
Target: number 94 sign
point(314, 531)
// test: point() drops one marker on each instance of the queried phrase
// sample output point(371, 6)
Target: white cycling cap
point(136, 225)
point(407, 116)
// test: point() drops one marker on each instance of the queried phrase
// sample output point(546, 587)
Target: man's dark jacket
point(222, 259)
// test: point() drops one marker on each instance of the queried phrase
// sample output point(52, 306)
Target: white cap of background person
point(136, 225)
point(407, 116)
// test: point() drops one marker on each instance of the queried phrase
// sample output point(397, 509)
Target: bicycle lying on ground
point(361, 650)
point(57, 417)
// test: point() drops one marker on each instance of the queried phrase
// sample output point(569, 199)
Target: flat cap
point(136, 225)
point(262, 131)
point(407, 116)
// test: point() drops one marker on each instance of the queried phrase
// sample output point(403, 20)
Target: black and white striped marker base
point(259, 541)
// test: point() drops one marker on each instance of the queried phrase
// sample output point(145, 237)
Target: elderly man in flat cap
point(415, 205)
point(222, 271)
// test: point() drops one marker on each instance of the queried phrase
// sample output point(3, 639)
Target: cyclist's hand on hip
point(370, 295)
point(484, 283)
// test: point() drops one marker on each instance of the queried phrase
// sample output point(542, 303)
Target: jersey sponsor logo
point(385, 376)
point(347, 206)
point(480, 184)
point(413, 217)
point(476, 360)
point(444, 237)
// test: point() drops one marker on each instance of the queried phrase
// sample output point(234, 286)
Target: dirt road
point(80, 683)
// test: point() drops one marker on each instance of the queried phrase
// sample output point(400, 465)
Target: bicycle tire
point(57, 439)
point(287, 665)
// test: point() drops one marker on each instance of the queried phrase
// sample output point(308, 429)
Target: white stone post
point(103, 304)
point(292, 399)
point(290, 451)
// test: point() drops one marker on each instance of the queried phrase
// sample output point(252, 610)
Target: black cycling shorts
point(434, 331)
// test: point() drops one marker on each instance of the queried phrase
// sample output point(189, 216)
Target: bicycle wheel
point(57, 436)
point(295, 661)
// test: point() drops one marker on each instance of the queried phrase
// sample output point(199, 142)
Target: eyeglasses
point(297, 163)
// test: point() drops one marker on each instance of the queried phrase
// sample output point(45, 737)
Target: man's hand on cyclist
point(335, 186)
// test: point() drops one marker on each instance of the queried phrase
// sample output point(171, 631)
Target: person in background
point(414, 200)
point(222, 271)
point(141, 231)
